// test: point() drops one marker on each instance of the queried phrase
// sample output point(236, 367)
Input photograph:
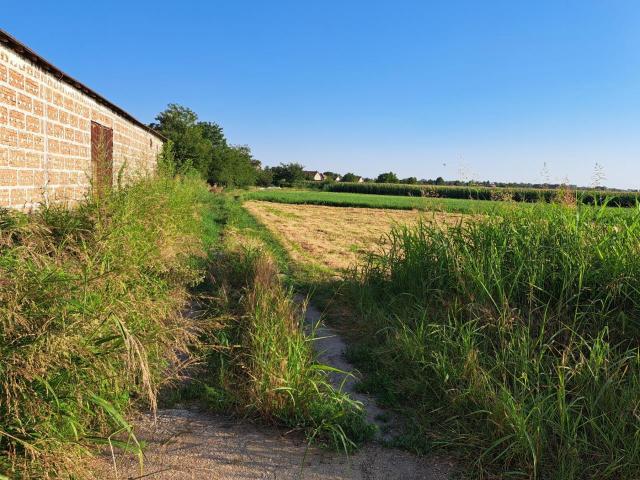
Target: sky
point(484, 90)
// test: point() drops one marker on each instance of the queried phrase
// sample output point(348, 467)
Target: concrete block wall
point(45, 137)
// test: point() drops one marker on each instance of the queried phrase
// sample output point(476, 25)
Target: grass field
point(362, 200)
point(513, 338)
point(335, 238)
point(451, 205)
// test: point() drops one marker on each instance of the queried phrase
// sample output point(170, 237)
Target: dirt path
point(191, 444)
point(185, 444)
point(331, 348)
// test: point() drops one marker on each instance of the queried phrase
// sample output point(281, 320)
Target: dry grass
point(335, 237)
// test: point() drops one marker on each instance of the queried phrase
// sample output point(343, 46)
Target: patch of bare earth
point(336, 237)
point(187, 444)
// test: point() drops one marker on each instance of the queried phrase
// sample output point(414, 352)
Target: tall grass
point(89, 318)
point(260, 357)
point(514, 338)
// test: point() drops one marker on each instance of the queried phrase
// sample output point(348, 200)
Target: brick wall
point(45, 137)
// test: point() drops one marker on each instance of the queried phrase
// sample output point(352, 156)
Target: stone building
point(58, 138)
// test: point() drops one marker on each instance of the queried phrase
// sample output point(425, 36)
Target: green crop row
point(589, 197)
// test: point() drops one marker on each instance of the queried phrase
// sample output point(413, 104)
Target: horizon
point(462, 91)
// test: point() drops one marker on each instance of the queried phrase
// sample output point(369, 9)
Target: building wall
point(45, 137)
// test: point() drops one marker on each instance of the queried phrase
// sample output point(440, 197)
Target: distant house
point(360, 180)
point(338, 178)
point(314, 175)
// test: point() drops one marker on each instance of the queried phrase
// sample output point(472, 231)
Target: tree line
point(202, 146)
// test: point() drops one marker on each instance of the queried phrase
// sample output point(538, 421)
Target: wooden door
point(101, 158)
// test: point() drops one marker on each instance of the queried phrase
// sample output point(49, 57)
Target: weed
point(513, 338)
point(89, 318)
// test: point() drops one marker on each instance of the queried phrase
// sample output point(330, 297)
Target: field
point(426, 204)
point(505, 334)
point(361, 200)
point(511, 339)
point(336, 237)
point(530, 195)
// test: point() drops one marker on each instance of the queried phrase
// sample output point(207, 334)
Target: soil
point(187, 443)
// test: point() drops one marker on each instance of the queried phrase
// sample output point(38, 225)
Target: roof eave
point(24, 51)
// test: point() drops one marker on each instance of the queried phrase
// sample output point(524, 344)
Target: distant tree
point(440, 181)
point(265, 177)
point(190, 147)
point(330, 175)
point(388, 177)
point(233, 166)
point(409, 180)
point(350, 177)
point(288, 173)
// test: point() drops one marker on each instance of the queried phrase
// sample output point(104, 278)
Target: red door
point(101, 158)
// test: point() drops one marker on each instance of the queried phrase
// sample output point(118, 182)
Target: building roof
point(24, 51)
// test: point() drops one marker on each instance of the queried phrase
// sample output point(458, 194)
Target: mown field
point(512, 340)
point(335, 238)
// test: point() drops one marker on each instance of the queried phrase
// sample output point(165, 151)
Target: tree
point(265, 177)
point(350, 177)
point(233, 166)
point(190, 147)
point(288, 173)
point(388, 177)
point(330, 175)
point(439, 181)
point(214, 133)
point(410, 180)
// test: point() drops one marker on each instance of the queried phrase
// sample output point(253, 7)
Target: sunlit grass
point(513, 338)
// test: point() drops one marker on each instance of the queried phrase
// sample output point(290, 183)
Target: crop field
point(336, 237)
point(530, 195)
point(362, 200)
point(426, 204)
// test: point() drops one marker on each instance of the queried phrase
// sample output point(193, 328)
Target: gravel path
point(331, 348)
point(184, 444)
point(190, 444)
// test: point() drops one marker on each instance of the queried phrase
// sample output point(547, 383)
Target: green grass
point(451, 205)
point(513, 340)
point(531, 195)
point(309, 197)
point(91, 325)
point(260, 361)
point(90, 302)
point(257, 359)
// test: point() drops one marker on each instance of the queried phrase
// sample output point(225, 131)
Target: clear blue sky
point(486, 89)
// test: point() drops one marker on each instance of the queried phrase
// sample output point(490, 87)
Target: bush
point(89, 317)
